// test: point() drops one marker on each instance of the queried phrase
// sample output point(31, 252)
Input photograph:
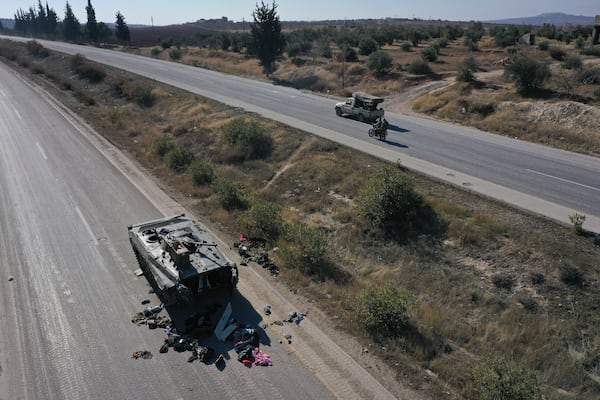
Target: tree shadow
point(395, 144)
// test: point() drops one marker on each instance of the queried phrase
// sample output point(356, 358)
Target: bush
point(429, 54)
point(175, 54)
point(406, 46)
point(367, 46)
point(389, 201)
point(385, 310)
point(579, 43)
point(142, 95)
point(202, 172)
point(162, 146)
point(442, 42)
point(231, 196)
point(419, 67)
point(264, 220)
point(166, 44)
point(249, 138)
point(589, 76)
point(572, 62)
point(179, 158)
point(348, 54)
point(591, 51)
point(528, 75)
point(499, 378)
point(470, 44)
point(156, 51)
point(304, 248)
point(557, 53)
point(36, 49)
point(545, 45)
point(466, 70)
point(380, 62)
point(571, 276)
point(86, 70)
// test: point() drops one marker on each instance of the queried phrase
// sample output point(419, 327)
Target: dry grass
point(462, 314)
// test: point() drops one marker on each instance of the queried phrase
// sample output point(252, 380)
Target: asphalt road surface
point(68, 288)
point(550, 182)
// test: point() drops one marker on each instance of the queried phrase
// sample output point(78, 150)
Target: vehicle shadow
point(396, 128)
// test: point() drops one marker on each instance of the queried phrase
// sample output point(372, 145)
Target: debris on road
point(11, 278)
point(267, 309)
point(145, 354)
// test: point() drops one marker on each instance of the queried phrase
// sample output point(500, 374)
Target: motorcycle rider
point(380, 126)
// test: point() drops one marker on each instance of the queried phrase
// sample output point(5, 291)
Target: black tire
point(371, 132)
point(338, 111)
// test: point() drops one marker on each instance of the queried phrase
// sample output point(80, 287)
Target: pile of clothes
point(247, 347)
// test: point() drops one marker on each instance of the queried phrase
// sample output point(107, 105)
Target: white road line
point(18, 115)
point(41, 150)
point(87, 226)
point(2, 93)
point(563, 180)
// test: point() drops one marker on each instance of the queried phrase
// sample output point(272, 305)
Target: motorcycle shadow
point(396, 128)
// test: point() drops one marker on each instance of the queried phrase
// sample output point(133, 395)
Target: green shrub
point(389, 201)
point(142, 95)
point(380, 62)
point(470, 44)
point(162, 146)
point(589, 76)
point(304, 248)
point(442, 42)
point(466, 70)
point(406, 46)
point(429, 54)
point(572, 62)
point(419, 67)
point(156, 51)
point(367, 46)
point(498, 377)
point(385, 310)
point(545, 45)
point(231, 196)
point(179, 158)
point(527, 74)
point(347, 54)
point(579, 43)
point(166, 44)
point(202, 172)
point(264, 220)
point(249, 137)
point(557, 53)
point(175, 54)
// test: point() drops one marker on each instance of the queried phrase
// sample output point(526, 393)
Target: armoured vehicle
point(181, 259)
point(361, 106)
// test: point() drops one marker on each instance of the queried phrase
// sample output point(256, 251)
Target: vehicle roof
point(367, 97)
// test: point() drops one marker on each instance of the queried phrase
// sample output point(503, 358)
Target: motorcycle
point(378, 132)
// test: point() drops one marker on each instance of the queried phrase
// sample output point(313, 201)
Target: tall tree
point(92, 25)
point(52, 17)
point(268, 40)
point(71, 27)
point(104, 32)
point(41, 18)
point(122, 28)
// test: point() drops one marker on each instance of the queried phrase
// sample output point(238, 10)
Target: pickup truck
point(361, 106)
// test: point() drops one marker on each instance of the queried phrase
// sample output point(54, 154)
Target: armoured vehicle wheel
point(338, 111)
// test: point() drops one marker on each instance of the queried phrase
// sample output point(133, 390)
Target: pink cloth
point(261, 358)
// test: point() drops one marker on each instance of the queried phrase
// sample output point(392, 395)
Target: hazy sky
point(180, 11)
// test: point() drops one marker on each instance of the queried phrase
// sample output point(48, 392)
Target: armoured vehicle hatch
point(181, 259)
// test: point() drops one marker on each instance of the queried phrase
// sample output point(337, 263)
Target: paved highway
point(68, 290)
point(550, 182)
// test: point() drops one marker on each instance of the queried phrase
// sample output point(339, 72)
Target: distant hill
point(558, 19)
